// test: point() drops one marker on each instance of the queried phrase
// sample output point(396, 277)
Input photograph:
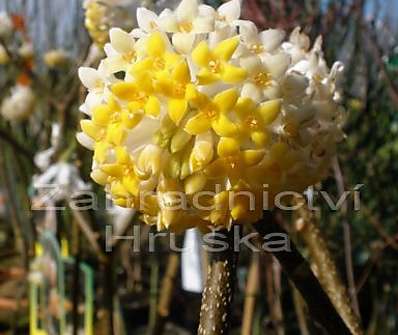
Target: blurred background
point(54, 261)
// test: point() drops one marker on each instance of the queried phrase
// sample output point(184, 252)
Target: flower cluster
point(196, 101)
point(101, 15)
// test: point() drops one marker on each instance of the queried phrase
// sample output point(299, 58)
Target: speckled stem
point(320, 308)
point(215, 313)
point(326, 270)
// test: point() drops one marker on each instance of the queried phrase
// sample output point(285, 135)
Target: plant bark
point(215, 313)
point(326, 270)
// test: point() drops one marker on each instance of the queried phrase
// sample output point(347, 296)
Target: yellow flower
point(232, 162)
point(254, 119)
point(214, 64)
point(212, 113)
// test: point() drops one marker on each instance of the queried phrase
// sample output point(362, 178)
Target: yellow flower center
point(214, 66)
point(179, 90)
point(153, 25)
point(256, 48)
point(252, 122)
point(210, 112)
point(159, 63)
point(262, 79)
point(185, 27)
point(130, 56)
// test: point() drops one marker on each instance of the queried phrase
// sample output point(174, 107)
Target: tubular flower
point(196, 107)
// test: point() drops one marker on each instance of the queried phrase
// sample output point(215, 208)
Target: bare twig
point(251, 295)
point(88, 233)
point(347, 239)
point(300, 313)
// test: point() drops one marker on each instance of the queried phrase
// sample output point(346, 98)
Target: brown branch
point(299, 272)
point(347, 239)
point(91, 237)
point(252, 289)
point(391, 241)
point(300, 310)
point(215, 312)
point(166, 294)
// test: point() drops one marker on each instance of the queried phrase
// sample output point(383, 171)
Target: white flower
point(19, 105)
point(120, 51)
point(6, 25)
point(259, 43)
point(298, 45)
point(228, 12)
point(60, 181)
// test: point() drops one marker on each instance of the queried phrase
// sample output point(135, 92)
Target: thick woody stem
point(215, 313)
point(299, 272)
point(326, 270)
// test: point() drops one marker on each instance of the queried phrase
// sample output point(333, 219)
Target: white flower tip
point(89, 77)
point(85, 141)
point(230, 10)
point(121, 41)
point(146, 19)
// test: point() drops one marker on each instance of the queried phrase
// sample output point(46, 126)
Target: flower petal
point(225, 49)
point(152, 106)
point(90, 77)
point(198, 124)
point(183, 42)
point(121, 41)
point(177, 109)
point(230, 11)
point(203, 24)
point(179, 140)
point(233, 74)
point(249, 90)
point(252, 157)
point(187, 10)
point(206, 77)
point(155, 45)
point(269, 110)
point(272, 39)
point(226, 100)
point(228, 146)
point(223, 126)
point(201, 55)
point(168, 22)
point(146, 19)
